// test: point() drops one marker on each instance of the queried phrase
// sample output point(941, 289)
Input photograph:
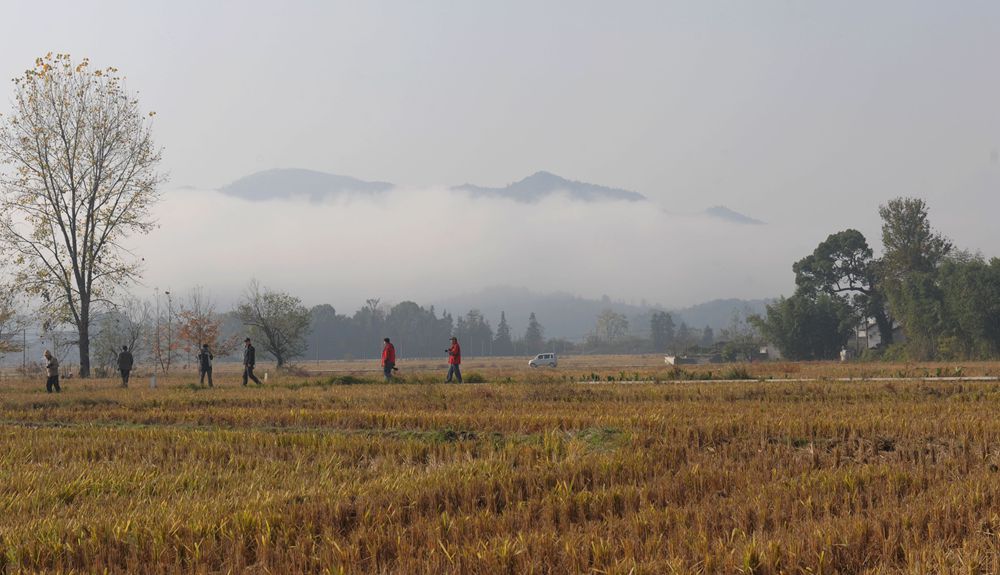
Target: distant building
point(869, 336)
point(693, 359)
point(770, 351)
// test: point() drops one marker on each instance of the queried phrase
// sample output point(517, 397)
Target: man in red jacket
point(388, 359)
point(454, 361)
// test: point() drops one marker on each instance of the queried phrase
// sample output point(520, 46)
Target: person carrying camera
point(454, 361)
point(388, 359)
point(249, 359)
point(205, 358)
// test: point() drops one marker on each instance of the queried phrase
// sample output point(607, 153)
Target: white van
point(544, 360)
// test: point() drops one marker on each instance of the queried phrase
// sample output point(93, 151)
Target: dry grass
point(539, 475)
point(644, 367)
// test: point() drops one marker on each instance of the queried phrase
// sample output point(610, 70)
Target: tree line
point(419, 331)
point(168, 331)
point(925, 298)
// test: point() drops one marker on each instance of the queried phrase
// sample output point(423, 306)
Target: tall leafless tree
point(611, 326)
point(11, 320)
point(80, 176)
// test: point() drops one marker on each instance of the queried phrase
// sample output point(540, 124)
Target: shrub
point(736, 372)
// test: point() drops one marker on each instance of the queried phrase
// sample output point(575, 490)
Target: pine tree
point(534, 338)
point(502, 343)
point(661, 326)
point(707, 337)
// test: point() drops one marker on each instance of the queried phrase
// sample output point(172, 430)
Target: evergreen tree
point(661, 327)
point(707, 337)
point(843, 265)
point(474, 333)
point(910, 269)
point(684, 339)
point(502, 343)
point(807, 326)
point(534, 336)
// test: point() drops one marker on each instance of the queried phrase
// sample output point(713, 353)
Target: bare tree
point(135, 318)
point(104, 344)
point(128, 324)
point(279, 321)
point(611, 326)
point(57, 341)
point(743, 338)
point(81, 176)
point(164, 341)
point(11, 320)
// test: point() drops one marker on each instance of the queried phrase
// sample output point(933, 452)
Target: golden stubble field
point(531, 472)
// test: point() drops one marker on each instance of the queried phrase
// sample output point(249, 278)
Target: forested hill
point(543, 184)
point(317, 186)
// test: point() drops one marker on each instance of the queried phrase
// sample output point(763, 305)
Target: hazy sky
point(806, 115)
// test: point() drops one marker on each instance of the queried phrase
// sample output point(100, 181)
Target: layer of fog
point(424, 244)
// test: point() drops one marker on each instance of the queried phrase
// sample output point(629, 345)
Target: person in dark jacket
point(388, 359)
point(454, 361)
point(249, 359)
point(125, 362)
point(205, 358)
point(52, 371)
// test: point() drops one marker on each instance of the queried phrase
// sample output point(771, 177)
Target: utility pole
point(159, 349)
point(170, 333)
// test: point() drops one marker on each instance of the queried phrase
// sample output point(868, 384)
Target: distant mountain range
point(543, 184)
point(319, 186)
point(724, 213)
point(316, 186)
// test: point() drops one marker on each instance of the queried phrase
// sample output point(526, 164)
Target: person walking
point(249, 359)
point(205, 358)
point(454, 361)
point(52, 370)
point(388, 359)
point(125, 362)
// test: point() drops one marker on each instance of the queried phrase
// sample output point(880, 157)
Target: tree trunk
point(884, 326)
point(83, 329)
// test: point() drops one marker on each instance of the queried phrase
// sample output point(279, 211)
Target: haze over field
point(804, 117)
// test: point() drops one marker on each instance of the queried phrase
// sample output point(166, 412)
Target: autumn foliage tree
point(81, 176)
point(198, 324)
